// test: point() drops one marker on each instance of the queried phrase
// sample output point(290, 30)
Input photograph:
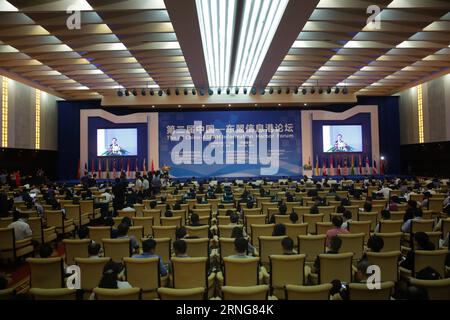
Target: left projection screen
point(117, 142)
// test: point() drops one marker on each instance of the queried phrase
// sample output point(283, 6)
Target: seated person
point(288, 246)
point(94, 250)
point(334, 247)
point(46, 251)
point(279, 230)
point(347, 217)
point(374, 244)
point(110, 278)
point(421, 242)
point(21, 227)
point(367, 207)
point(122, 233)
point(148, 251)
point(314, 210)
point(406, 227)
point(240, 247)
point(293, 217)
point(83, 232)
point(337, 229)
point(239, 232)
point(385, 215)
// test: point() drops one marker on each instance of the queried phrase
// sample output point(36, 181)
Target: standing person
point(119, 190)
point(156, 183)
point(146, 187)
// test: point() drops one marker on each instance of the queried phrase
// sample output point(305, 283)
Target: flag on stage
point(136, 169)
point(86, 171)
point(309, 162)
point(345, 167)
point(374, 168)
point(153, 167)
point(352, 170)
point(324, 167)
point(128, 169)
point(367, 165)
point(338, 166)
point(79, 170)
point(99, 169)
point(107, 169)
point(144, 168)
point(114, 169)
point(331, 166)
point(381, 167)
point(317, 166)
point(360, 165)
point(121, 166)
point(92, 167)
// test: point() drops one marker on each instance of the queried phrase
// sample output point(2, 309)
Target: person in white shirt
point(406, 227)
point(108, 196)
point(385, 190)
point(138, 186)
point(110, 278)
point(146, 186)
point(21, 227)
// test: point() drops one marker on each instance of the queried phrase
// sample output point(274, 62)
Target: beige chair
point(397, 215)
point(197, 247)
point(317, 292)
point(164, 232)
point(226, 247)
point(97, 234)
point(353, 242)
point(252, 212)
point(222, 219)
point(423, 225)
point(323, 227)
point(5, 222)
point(224, 231)
point(269, 245)
point(181, 294)
point(117, 249)
point(87, 207)
point(392, 241)
point(137, 232)
point(311, 246)
point(360, 227)
point(40, 234)
point(191, 273)
point(311, 220)
point(434, 259)
point(91, 273)
point(154, 213)
point(335, 266)
point(139, 209)
point(360, 291)
point(200, 231)
point(172, 221)
point(388, 263)
point(437, 289)
point(260, 292)
point(13, 249)
point(143, 273)
point(163, 248)
point(284, 270)
point(53, 294)
point(180, 213)
point(241, 272)
point(145, 222)
point(282, 219)
point(296, 229)
point(326, 211)
point(389, 226)
point(436, 204)
point(55, 218)
point(434, 237)
point(250, 220)
point(46, 273)
point(126, 213)
point(258, 230)
point(369, 216)
point(75, 248)
point(117, 294)
point(7, 294)
point(73, 212)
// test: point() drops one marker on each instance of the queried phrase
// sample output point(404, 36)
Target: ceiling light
point(253, 91)
point(296, 90)
point(217, 21)
point(229, 105)
point(305, 104)
point(259, 24)
point(153, 106)
point(256, 104)
point(320, 90)
point(228, 90)
point(219, 91)
point(201, 92)
point(279, 90)
point(245, 90)
point(344, 91)
point(203, 105)
point(134, 92)
point(262, 91)
point(279, 104)
point(179, 106)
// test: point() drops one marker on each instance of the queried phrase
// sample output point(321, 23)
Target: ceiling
point(157, 44)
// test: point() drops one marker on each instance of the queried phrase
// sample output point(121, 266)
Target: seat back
point(323, 227)
point(73, 212)
point(437, 289)
point(389, 226)
point(242, 272)
point(226, 247)
point(245, 293)
point(424, 225)
point(254, 219)
point(335, 266)
point(137, 232)
point(145, 222)
point(269, 245)
point(436, 204)
point(434, 237)
point(53, 294)
point(397, 215)
point(392, 241)
point(369, 216)
point(143, 273)
point(154, 213)
point(75, 248)
point(189, 272)
point(86, 206)
point(311, 220)
point(172, 221)
point(360, 291)
point(360, 227)
point(164, 232)
point(117, 294)
point(354, 209)
point(126, 213)
point(91, 271)
point(224, 231)
point(282, 218)
point(139, 209)
point(46, 273)
point(252, 211)
point(296, 229)
point(201, 231)
point(260, 230)
point(54, 218)
point(311, 246)
point(7, 239)
point(163, 248)
point(352, 242)
point(434, 259)
point(180, 213)
point(181, 294)
point(117, 249)
point(197, 247)
point(388, 263)
point(97, 234)
point(36, 227)
point(286, 269)
point(445, 227)
point(5, 222)
point(326, 211)
point(317, 292)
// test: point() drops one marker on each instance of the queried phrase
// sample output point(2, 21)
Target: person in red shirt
point(337, 228)
point(18, 178)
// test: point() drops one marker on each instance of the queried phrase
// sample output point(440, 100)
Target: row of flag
point(346, 166)
point(112, 169)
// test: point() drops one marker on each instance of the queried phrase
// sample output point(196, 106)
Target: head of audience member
point(20, 215)
point(122, 230)
point(418, 213)
point(180, 248)
point(337, 221)
point(375, 243)
point(199, 200)
point(94, 249)
point(110, 275)
point(45, 251)
point(153, 204)
point(289, 198)
point(411, 204)
point(347, 215)
point(148, 246)
point(181, 233)
point(279, 230)
point(249, 204)
point(416, 293)
point(385, 214)
point(340, 209)
point(195, 219)
point(83, 232)
point(168, 214)
point(282, 209)
point(240, 245)
point(293, 217)
point(237, 232)
point(335, 244)
point(314, 210)
point(422, 241)
point(362, 268)
point(234, 218)
point(109, 222)
point(367, 207)
point(229, 213)
point(288, 245)
point(177, 206)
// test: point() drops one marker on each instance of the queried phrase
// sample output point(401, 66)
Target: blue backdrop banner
point(230, 144)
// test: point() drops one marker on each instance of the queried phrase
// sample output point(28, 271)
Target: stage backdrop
point(217, 144)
